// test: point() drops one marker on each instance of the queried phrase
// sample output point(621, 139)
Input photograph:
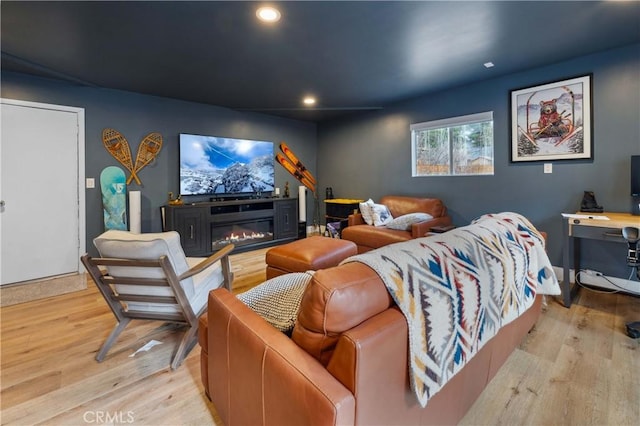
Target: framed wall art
point(552, 121)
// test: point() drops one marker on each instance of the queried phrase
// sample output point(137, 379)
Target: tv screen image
point(211, 165)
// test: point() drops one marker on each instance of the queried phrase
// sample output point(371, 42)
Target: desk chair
point(148, 276)
point(632, 236)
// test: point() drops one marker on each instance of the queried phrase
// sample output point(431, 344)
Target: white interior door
point(42, 191)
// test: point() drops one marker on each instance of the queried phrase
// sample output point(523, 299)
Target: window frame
point(448, 123)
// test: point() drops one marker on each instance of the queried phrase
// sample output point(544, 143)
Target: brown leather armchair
point(369, 237)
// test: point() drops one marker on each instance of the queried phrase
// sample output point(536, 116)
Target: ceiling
point(352, 55)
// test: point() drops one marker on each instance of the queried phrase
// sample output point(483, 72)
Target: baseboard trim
point(605, 282)
point(13, 294)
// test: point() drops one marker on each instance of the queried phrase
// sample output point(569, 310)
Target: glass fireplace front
point(242, 233)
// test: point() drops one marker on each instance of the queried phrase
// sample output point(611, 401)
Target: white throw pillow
point(404, 222)
point(366, 209)
point(381, 215)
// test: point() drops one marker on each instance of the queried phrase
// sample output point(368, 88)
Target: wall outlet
point(90, 183)
point(592, 273)
point(548, 167)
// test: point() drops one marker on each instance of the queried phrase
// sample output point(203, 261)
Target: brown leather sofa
point(369, 237)
point(345, 363)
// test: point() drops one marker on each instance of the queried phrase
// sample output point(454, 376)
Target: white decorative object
point(405, 222)
point(366, 209)
point(381, 215)
point(302, 203)
point(134, 212)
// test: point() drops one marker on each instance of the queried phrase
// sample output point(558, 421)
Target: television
point(224, 167)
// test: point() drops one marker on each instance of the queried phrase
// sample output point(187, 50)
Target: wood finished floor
point(577, 367)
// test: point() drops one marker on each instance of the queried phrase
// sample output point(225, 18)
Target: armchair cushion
point(127, 245)
point(207, 280)
point(150, 246)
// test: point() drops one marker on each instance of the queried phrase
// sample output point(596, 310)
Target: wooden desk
point(575, 229)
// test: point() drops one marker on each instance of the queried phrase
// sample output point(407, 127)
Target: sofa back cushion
point(336, 300)
point(399, 205)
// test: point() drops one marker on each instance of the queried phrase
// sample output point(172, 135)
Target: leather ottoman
point(308, 254)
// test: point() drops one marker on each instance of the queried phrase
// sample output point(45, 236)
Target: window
point(453, 146)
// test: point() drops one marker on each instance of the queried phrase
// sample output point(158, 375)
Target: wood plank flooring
point(577, 367)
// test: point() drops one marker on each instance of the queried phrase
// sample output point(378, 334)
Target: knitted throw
point(459, 288)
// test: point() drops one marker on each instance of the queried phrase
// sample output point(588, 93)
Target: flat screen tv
point(212, 165)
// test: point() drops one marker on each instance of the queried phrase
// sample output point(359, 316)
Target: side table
point(339, 209)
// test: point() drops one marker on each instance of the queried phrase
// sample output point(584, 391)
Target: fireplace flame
point(252, 236)
point(240, 237)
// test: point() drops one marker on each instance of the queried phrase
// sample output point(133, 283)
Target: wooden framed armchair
point(148, 277)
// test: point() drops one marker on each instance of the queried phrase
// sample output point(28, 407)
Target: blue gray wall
point(370, 156)
point(135, 116)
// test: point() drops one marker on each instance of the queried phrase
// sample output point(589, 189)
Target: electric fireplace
point(241, 233)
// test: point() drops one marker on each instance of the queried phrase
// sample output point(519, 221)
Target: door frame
point(81, 167)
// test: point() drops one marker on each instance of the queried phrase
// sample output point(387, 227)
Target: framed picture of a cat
point(552, 121)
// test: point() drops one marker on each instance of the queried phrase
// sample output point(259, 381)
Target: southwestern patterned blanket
point(459, 288)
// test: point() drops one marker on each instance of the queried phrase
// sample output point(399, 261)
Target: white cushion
point(381, 215)
point(207, 280)
point(366, 211)
point(151, 246)
point(404, 222)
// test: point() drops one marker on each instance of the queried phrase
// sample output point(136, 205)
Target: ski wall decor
point(298, 170)
point(294, 166)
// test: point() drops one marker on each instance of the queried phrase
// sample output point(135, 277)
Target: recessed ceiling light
point(488, 65)
point(309, 100)
point(268, 14)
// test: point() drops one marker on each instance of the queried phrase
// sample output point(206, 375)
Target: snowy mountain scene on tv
point(215, 165)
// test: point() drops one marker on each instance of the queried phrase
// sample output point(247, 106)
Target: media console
point(206, 227)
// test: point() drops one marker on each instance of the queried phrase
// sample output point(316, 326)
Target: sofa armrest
point(257, 375)
point(420, 229)
point(355, 219)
